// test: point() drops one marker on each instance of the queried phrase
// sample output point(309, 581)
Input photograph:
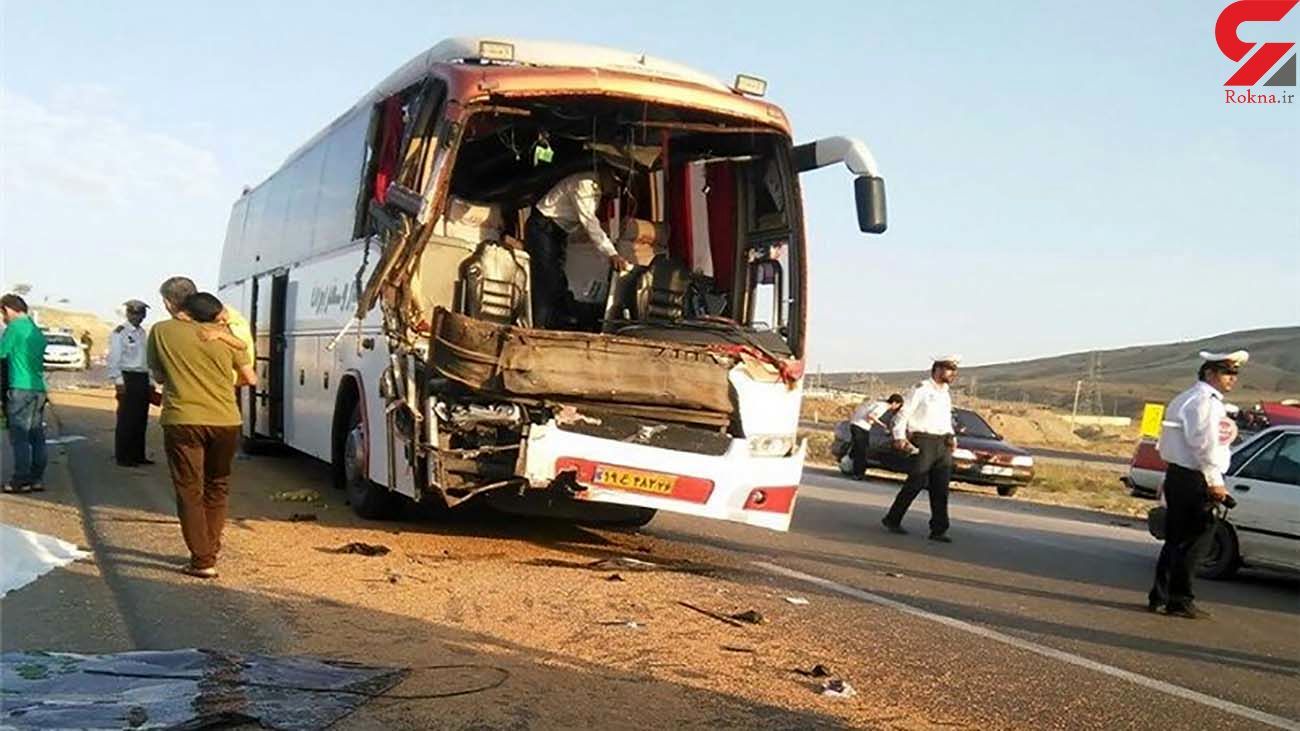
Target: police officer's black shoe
point(893, 527)
point(1154, 606)
point(940, 538)
point(1186, 611)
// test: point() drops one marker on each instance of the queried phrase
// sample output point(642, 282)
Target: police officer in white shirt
point(130, 374)
point(924, 426)
point(1195, 439)
point(865, 416)
point(567, 211)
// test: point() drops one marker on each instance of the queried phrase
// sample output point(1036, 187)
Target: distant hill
point(1130, 376)
point(77, 322)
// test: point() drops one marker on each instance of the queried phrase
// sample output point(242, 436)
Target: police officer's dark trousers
point(931, 470)
point(132, 418)
point(546, 243)
point(1189, 531)
point(858, 450)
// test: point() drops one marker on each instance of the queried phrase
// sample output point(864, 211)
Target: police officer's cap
point(135, 306)
point(1227, 362)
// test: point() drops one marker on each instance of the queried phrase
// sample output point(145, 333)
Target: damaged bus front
point(652, 359)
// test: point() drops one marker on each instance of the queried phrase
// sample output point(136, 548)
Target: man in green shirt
point(23, 349)
point(200, 419)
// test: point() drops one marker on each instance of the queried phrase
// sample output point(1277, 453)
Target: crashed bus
point(385, 272)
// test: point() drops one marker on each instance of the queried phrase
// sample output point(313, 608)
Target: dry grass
point(1081, 486)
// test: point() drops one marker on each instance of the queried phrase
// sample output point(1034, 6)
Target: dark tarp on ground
point(204, 688)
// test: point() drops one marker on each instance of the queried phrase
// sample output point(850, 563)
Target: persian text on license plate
point(997, 471)
point(625, 479)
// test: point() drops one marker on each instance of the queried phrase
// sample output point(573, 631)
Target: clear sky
point(1062, 175)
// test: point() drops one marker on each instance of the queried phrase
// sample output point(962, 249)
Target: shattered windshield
point(636, 220)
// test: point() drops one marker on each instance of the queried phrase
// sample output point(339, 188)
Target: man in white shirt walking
point(865, 416)
point(924, 426)
point(1195, 439)
point(130, 375)
point(567, 212)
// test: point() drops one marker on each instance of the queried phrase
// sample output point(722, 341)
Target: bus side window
point(340, 183)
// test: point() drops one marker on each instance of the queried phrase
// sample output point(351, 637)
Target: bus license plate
point(625, 479)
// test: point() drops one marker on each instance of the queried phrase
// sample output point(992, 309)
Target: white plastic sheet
point(26, 556)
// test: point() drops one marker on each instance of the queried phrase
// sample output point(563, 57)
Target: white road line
point(1083, 662)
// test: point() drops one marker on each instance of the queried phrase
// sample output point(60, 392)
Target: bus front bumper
point(735, 486)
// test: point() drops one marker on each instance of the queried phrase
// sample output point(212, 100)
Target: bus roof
point(527, 53)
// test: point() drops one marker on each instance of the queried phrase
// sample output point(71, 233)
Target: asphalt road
point(1067, 580)
point(1034, 617)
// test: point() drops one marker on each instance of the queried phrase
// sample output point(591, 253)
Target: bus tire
point(351, 466)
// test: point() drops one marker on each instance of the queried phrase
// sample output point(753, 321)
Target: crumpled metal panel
point(181, 689)
point(594, 368)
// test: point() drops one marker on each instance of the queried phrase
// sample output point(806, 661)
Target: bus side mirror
point(869, 192)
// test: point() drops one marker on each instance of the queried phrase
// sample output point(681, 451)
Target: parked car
point(1263, 530)
point(982, 456)
point(63, 352)
point(1147, 469)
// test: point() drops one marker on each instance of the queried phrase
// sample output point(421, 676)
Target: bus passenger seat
point(470, 221)
point(494, 285)
point(661, 290)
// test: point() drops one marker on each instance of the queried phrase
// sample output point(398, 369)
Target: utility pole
point(1078, 385)
point(1093, 405)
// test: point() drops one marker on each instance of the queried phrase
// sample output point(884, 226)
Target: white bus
point(387, 275)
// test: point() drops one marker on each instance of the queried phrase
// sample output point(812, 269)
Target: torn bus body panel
point(558, 365)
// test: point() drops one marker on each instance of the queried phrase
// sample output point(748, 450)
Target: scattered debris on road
point(733, 648)
point(713, 615)
point(749, 616)
point(302, 517)
point(818, 671)
point(614, 577)
point(628, 623)
point(305, 495)
point(836, 688)
point(67, 439)
point(626, 563)
point(364, 549)
point(895, 575)
point(798, 601)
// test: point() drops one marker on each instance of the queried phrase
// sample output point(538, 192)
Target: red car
point(1147, 470)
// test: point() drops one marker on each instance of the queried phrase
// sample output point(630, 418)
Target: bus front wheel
point(368, 500)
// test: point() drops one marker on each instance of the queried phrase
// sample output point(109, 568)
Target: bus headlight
point(771, 445)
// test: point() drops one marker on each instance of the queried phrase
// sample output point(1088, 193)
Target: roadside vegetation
point(1074, 484)
point(1022, 424)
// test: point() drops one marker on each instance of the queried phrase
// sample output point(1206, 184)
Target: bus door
point(266, 415)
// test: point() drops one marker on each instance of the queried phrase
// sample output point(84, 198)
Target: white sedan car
point(63, 352)
point(1264, 529)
